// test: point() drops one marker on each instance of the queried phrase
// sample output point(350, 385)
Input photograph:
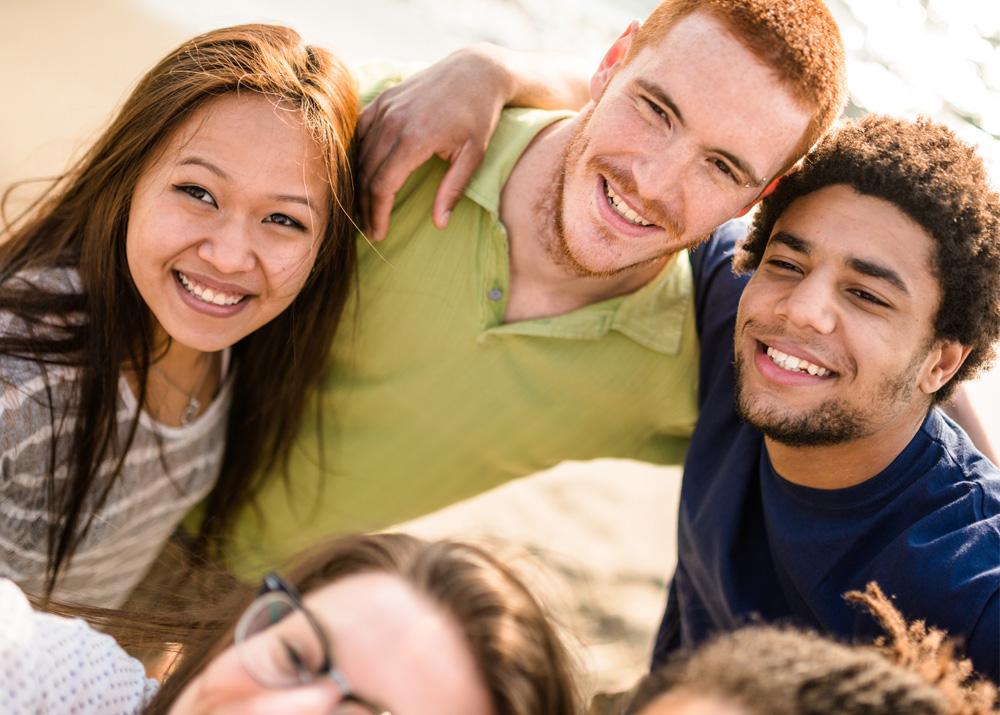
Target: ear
point(942, 364)
point(612, 61)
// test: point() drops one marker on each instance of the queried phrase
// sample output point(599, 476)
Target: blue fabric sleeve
point(717, 293)
point(983, 646)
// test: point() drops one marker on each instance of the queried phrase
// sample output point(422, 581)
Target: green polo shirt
point(430, 398)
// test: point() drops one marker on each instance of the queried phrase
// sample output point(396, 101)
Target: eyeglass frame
point(274, 583)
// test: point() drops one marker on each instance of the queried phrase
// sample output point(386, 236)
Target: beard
point(833, 422)
point(553, 203)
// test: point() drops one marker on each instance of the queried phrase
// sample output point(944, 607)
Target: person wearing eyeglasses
point(364, 625)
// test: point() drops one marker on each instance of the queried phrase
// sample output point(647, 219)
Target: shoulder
point(34, 288)
point(376, 76)
point(54, 664)
point(717, 288)
point(54, 279)
point(712, 264)
point(956, 460)
point(719, 247)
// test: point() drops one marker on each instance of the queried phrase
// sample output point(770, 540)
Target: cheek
point(707, 203)
point(288, 272)
point(152, 232)
point(223, 682)
point(875, 350)
point(751, 302)
point(136, 250)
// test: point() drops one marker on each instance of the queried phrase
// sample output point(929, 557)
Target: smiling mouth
point(623, 209)
point(208, 295)
point(795, 364)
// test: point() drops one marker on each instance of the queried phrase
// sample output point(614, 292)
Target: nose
point(809, 305)
point(230, 247)
point(659, 172)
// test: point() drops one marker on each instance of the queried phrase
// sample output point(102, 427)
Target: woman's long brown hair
point(524, 664)
point(81, 221)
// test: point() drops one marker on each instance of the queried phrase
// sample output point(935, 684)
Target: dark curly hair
point(941, 183)
point(781, 670)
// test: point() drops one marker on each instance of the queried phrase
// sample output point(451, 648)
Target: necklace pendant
point(191, 411)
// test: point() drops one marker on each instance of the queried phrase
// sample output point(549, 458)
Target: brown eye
point(723, 167)
point(658, 109)
point(284, 220)
point(196, 192)
point(868, 297)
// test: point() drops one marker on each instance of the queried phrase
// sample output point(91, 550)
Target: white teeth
point(208, 295)
point(623, 209)
point(795, 364)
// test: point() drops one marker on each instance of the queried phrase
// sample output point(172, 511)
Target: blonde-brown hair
point(524, 663)
point(81, 222)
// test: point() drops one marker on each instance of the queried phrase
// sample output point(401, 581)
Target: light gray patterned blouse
point(167, 471)
point(62, 666)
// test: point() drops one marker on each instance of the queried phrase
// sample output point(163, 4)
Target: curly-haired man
point(875, 291)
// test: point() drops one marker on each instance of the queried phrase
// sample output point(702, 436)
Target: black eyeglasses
point(294, 653)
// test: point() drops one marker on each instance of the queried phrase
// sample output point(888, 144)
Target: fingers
point(463, 164)
point(389, 151)
point(370, 156)
point(405, 126)
point(393, 164)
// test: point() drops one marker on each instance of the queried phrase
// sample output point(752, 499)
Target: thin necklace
point(193, 406)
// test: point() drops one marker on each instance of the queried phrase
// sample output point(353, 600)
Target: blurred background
point(604, 529)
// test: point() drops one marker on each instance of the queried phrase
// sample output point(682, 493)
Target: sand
point(602, 531)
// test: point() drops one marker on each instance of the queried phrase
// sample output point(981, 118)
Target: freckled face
point(664, 156)
point(397, 650)
point(834, 331)
point(226, 220)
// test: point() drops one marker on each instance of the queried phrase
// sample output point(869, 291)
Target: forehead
point(844, 227)
point(727, 96)
point(397, 648)
point(686, 702)
point(252, 137)
point(242, 113)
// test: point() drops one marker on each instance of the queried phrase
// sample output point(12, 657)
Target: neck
point(182, 363)
point(180, 375)
point(542, 283)
point(842, 465)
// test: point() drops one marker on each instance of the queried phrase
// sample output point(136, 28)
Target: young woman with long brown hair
point(166, 307)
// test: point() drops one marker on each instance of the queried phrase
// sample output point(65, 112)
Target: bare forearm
point(961, 409)
point(547, 80)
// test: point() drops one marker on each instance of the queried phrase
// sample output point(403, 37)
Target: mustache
point(650, 210)
point(763, 333)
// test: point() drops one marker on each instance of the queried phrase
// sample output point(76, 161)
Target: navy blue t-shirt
point(753, 546)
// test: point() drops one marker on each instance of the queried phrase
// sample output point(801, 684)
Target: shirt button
point(495, 294)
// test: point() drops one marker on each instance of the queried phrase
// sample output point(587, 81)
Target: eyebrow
point(858, 265)
point(224, 175)
point(661, 96)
